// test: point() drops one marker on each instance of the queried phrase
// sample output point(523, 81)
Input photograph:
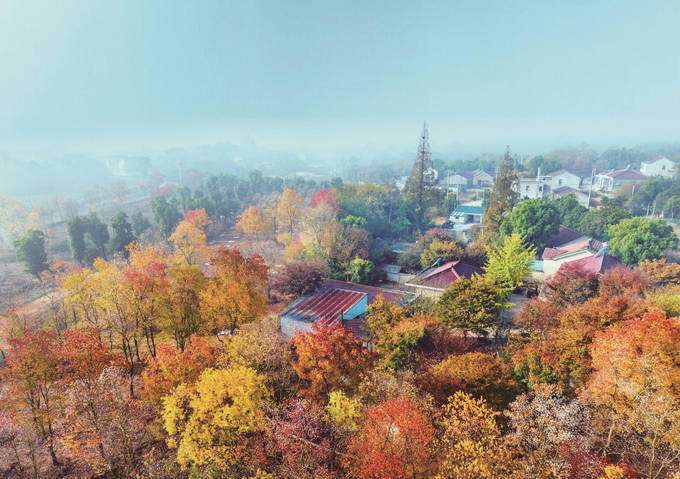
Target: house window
point(527, 187)
point(559, 182)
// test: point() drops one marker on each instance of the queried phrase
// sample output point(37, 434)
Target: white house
point(581, 196)
point(478, 178)
point(532, 188)
point(613, 180)
point(660, 167)
point(562, 178)
point(453, 182)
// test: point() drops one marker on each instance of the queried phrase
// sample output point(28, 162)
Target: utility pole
point(590, 190)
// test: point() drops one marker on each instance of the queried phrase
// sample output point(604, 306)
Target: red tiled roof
point(598, 264)
point(588, 244)
point(326, 305)
point(563, 235)
point(447, 273)
point(626, 175)
point(391, 295)
point(558, 172)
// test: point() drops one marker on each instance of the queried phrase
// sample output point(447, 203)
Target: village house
point(543, 185)
point(561, 178)
point(434, 281)
point(599, 263)
point(334, 301)
point(613, 180)
point(454, 182)
point(467, 215)
point(660, 167)
point(479, 178)
point(570, 246)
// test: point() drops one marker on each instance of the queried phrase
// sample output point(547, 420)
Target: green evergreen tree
point(502, 198)
point(75, 230)
point(98, 233)
point(139, 224)
point(30, 249)
point(420, 187)
point(122, 234)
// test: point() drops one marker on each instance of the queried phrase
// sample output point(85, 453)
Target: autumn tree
point(236, 293)
point(470, 304)
point(396, 441)
point(198, 218)
point(32, 373)
point(30, 250)
point(147, 283)
point(381, 316)
point(548, 430)
point(471, 444)
point(636, 370)
point(215, 421)
point(660, 271)
point(172, 367)
point(324, 197)
point(508, 266)
point(255, 221)
point(83, 358)
point(503, 196)
point(261, 346)
point(480, 374)
point(182, 315)
point(289, 211)
point(301, 440)
point(189, 244)
point(440, 250)
point(572, 284)
point(329, 358)
point(297, 279)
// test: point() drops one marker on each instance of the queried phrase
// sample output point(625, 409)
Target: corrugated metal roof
point(391, 295)
point(327, 305)
point(468, 209)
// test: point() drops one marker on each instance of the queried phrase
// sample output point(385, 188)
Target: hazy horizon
point(133, 77)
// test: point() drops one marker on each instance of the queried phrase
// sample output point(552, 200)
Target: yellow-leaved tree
point(472, 445)
point(214, 422)
point(189, 244)
point(255, 221)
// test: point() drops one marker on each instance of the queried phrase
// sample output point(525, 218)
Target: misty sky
point(322, 75)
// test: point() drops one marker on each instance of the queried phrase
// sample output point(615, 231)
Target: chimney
point(538, 173)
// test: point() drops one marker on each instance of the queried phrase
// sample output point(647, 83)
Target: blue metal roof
point(469, 210)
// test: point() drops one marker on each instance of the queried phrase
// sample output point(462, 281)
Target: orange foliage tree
point(32, 373)
point(172, 367)
point(237, 293)
point(395, 442)
point(329, 358)
point(255, 221)
point(635, 384)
